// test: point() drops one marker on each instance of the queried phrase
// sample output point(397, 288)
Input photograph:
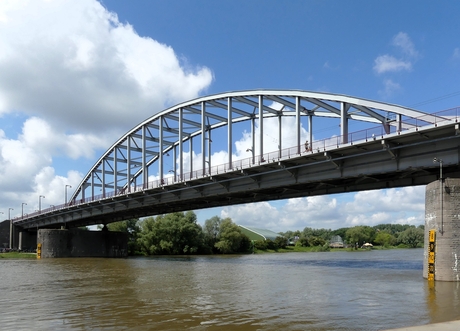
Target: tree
point(316, 241)
point(320, 233)
point(291, 234)
point(302, 242)
point(175, 233)
point(392, 229)
point(384, 238)
point(360, 234)
point(412, 237)
point(339, 232)
point(231, 239)
point(280, 242)
point(211, 230)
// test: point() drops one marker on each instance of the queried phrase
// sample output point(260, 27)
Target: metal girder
point(234, 109)
point(256, 104)
point(135, 142)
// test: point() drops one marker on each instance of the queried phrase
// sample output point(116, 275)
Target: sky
point(77, 75)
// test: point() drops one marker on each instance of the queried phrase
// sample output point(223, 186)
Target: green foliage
point(303, 242)
point(339, 232)
point(360, 235)
point(175, 233)
point(316, 241)
point(392, 229)
point(211, 230)
point(384, 239)
point(299, 243)
point(290, 234)
point(412, 237)
point(319, 233)
point(260, 245)
point(280, 242)
point(231, 239)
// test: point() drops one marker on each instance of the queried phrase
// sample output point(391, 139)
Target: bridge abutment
point(82, 243)
point(442, 218)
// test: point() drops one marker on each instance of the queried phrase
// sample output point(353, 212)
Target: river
point(370, 290)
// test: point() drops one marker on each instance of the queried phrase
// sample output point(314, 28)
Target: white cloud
point(81, 79)
point(262, 215)
point(403, 41)
point(397, 206)
point(388, 63)
point(74, 63)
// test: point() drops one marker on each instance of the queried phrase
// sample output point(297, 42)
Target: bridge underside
point(384, 162)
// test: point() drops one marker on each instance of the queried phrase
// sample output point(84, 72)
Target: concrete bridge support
point(17, 238)
point(82, 243)
point(442, 218)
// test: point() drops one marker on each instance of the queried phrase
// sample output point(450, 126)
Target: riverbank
point(309, 249)
point(18, 255)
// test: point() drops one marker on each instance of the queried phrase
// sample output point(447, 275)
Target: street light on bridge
point(441, 193)
point(65, 202)
point(11, 228)
point(40, 203)
point(22, 209)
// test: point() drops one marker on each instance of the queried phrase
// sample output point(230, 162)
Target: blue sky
point(76, 75)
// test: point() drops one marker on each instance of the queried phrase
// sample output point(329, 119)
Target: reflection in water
point(297, 291)
point(443, 300)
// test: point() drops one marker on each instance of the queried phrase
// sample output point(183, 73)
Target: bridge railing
point(318, 146)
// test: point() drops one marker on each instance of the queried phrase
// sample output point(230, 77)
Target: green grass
point(17, 255)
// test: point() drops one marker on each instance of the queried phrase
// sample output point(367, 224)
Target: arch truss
point(177, 143)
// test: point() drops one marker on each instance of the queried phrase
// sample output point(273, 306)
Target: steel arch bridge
point(141, 152)
point(169, 156)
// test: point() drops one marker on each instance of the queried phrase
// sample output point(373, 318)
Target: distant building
point(336, 242)
point(258, 234)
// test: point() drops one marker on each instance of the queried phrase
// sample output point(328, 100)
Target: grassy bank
point(17, 255)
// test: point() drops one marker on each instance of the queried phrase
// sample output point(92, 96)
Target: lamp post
point(22, 209)
point(441, 194)
point(251, 149)
point(65, 202)
point(40, 203)
point(11, 228)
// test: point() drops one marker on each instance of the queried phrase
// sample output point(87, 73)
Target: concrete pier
point(18, 239)
point(82, 243)
point(442, 218)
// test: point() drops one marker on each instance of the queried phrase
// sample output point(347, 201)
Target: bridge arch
point(138, 159)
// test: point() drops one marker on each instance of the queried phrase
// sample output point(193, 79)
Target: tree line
point(179, 233)
point(385, 235)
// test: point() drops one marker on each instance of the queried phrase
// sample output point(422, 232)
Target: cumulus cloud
point(74, 63)
point(406, 45)
point(389, 63)
point(332, 212)
point(81, 79)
